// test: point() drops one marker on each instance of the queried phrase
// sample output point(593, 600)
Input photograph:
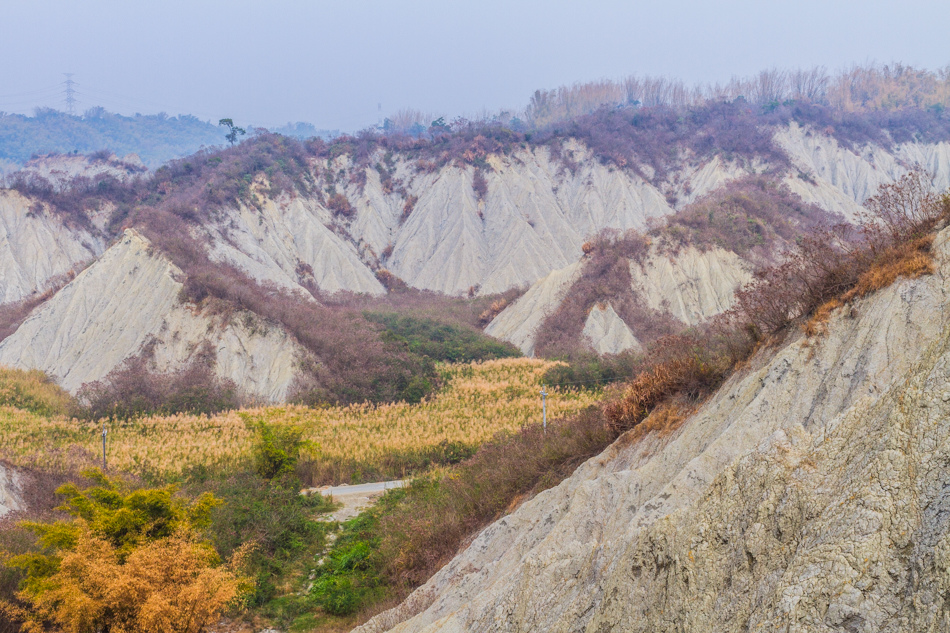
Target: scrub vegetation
point(219, 491)
point(246, 468)
point(346, 444)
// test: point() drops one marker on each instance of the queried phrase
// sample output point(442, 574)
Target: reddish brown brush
point(828, 268)
point(605, 279)
point(421, 535)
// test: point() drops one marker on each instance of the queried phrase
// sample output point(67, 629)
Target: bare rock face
point(427, 226)
point(840, 179)
point(533, 219)
point(11, 481)
point(535, 214)
point(518, 323)
point(692, 285)
point(129, 299)
point(808, 494)
point(607, 332)
point(37, 246)
point(287, 242)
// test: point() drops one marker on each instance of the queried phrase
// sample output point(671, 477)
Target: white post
point(544, 408)
point(104, 445)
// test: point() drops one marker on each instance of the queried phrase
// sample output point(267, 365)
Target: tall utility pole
point(104, 431)
point(70, 93)
point(544, 408)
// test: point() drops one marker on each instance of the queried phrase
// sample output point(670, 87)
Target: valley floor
point(348, 444)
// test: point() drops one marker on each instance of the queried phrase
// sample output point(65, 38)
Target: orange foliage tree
point(127, 562)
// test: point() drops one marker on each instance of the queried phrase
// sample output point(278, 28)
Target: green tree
point(233, 130)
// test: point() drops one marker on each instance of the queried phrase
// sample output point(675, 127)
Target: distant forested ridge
point(155, 138)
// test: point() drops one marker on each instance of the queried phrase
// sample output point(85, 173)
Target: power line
point(587, 382)
point(71, 96)
point(57, 89)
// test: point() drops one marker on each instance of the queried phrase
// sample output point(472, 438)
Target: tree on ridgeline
point(233, 131)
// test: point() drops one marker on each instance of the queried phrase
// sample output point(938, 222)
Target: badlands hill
point(693, 277)
point(807, 494)
point(239, 258)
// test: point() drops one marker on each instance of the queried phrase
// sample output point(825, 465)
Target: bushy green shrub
point(442, 341)
point(589, 370)
point(274, 515)
point(34, 391)
point(349, 577)
point(276, 448)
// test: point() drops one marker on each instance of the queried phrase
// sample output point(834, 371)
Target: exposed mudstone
point(808, 494)
point(607, 333)
point(129, 299)
point(518, 323)
point(37, 246)
point(11, 482)
point(528, 228)
point(692, 285)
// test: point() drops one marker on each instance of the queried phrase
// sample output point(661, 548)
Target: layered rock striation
point(128, 302)
point(526, 226)
point(808, 494)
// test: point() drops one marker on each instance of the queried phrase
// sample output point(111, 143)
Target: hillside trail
point(354, 499)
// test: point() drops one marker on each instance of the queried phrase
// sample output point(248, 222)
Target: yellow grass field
point(479, 401)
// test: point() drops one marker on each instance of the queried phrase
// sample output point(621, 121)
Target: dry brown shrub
point(910, 259)
point(756, 214)
point(494, 310)
point(390, 281)
point(817, 325)
point(479, 185)
point(827, 269)
point(408, 206)
point(340, 205)
point(665, 418)
point(683, 373)
point(423, 533)
point(605, 279)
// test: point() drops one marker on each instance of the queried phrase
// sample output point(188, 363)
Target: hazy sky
point(268, 62)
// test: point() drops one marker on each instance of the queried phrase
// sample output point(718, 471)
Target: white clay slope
point(37, 246)
point(607, 333)
point(692, 285)
point(534, 219)
point(519, 322)
point(11, 482)
point(128, 298)
point(529, 229)
point(537, 214)
point(807, 495)
point(841, 180)
point(286, 242)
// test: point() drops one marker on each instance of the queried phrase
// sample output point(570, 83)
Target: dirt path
point(355, 499)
